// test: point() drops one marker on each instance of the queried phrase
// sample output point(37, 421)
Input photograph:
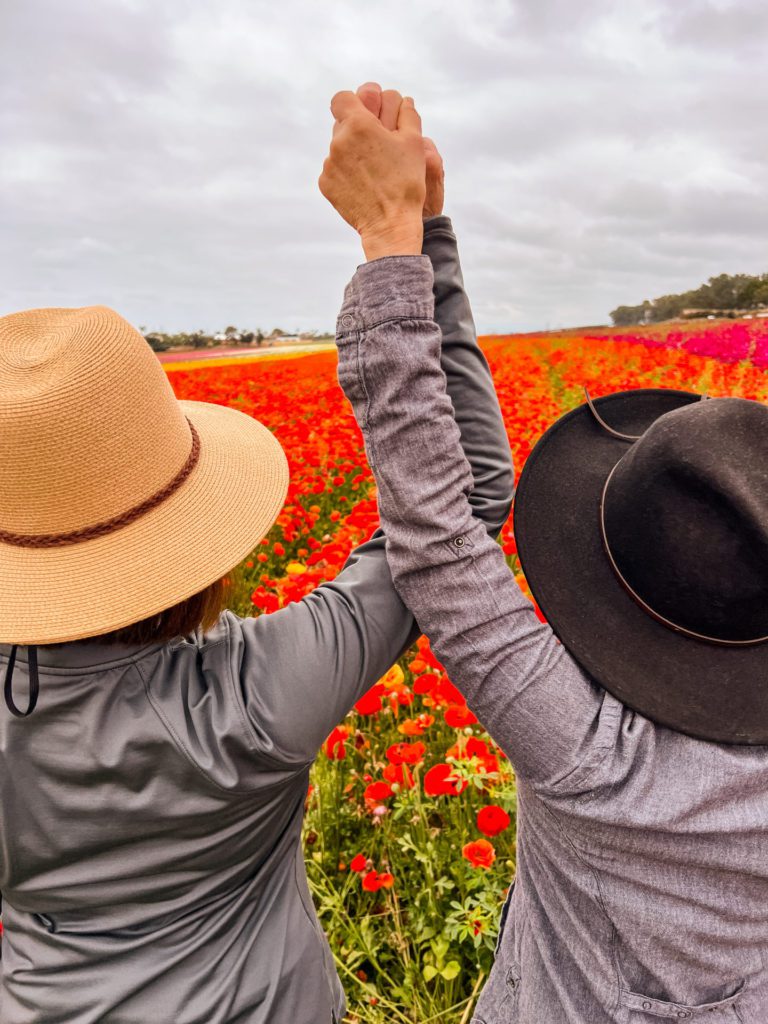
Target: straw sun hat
point(117, 500)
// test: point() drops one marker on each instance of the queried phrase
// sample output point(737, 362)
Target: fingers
point(344, 104)
point(408, 119)
point(370, 96)
point(390, 105)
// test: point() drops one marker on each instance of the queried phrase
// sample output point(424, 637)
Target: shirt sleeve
point(525, 688)
point(301, 669)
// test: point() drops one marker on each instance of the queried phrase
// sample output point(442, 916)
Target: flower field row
point(410, 825)
point(729, 341)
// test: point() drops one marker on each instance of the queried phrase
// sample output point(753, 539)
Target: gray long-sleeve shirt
point(642, 876)
point(151, 807)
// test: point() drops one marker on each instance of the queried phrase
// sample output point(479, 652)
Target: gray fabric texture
point(642, 873)
point(151, 807)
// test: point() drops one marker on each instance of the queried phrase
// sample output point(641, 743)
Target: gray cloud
point(163, 158)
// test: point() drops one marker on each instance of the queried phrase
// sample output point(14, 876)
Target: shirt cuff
point(388, 288)
point(438, 222)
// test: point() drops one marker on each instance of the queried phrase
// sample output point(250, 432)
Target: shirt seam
point(600, 899)
point(580, 769)
point(583, 772)
point(295, 767)
point(350, 336)
point(178, 741)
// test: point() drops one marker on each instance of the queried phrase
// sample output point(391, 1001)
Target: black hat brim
point(711, 692)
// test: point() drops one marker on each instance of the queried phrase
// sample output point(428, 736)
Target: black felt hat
point(641, 521)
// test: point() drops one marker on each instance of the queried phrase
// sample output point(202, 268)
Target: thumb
point(408, 119)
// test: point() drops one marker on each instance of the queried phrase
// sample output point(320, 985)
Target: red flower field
point(410, 825)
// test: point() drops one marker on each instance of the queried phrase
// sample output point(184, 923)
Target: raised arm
point(302, 668)
point(469, 381)
point(522, 684)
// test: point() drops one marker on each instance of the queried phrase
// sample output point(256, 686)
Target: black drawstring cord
point(34, 683)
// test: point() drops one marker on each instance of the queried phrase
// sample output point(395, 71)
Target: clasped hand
point(382, 175)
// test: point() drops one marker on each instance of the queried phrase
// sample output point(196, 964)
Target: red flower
point(458, 715)
point(400, 774)
point(423, 684)
point(439, 781)
point(474, 747)
point(358, 863)
point(492, 819)
point(370, 702)
point(479, 853)
point(374, 881)
point(406, 753)
point(264, 600)
point(378, 791)
point(334, 745)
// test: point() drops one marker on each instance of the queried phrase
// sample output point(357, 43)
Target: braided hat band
point(74, 537)
point(93, 438)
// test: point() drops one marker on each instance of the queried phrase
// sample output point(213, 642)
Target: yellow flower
point(295, 568)
point(394, 679)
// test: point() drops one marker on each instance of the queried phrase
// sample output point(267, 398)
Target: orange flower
point(479, 853)
point(416, 726)
point(406, 753)
point(399, 774)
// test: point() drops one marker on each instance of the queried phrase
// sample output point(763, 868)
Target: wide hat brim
point(708, 691)
point(192, 538)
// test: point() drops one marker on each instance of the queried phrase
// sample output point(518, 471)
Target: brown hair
point(202, 609)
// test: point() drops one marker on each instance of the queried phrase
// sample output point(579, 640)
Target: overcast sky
point(162, 157)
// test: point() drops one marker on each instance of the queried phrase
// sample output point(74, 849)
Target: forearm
point(520, 682)
point(469, 383)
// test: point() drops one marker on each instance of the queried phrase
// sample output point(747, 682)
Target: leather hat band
point(49, 540)
point(633, 594)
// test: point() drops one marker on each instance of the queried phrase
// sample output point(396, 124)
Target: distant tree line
point(160, 341)
point(725, 295)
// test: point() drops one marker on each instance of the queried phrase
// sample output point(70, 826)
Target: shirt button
point(684, 1014)
point(347, 320)
point(459, 542)
point(646, 1005)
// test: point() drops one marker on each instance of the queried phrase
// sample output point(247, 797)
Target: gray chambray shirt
point(642, 877)
point(151, 807)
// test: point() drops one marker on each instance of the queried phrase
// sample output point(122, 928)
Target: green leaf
point(429, 972)
point(451, 970)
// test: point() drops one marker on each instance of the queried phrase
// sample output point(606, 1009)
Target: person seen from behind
point(636, 717)
point(155, 747)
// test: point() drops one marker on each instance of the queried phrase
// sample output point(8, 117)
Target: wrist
point(398, 239)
